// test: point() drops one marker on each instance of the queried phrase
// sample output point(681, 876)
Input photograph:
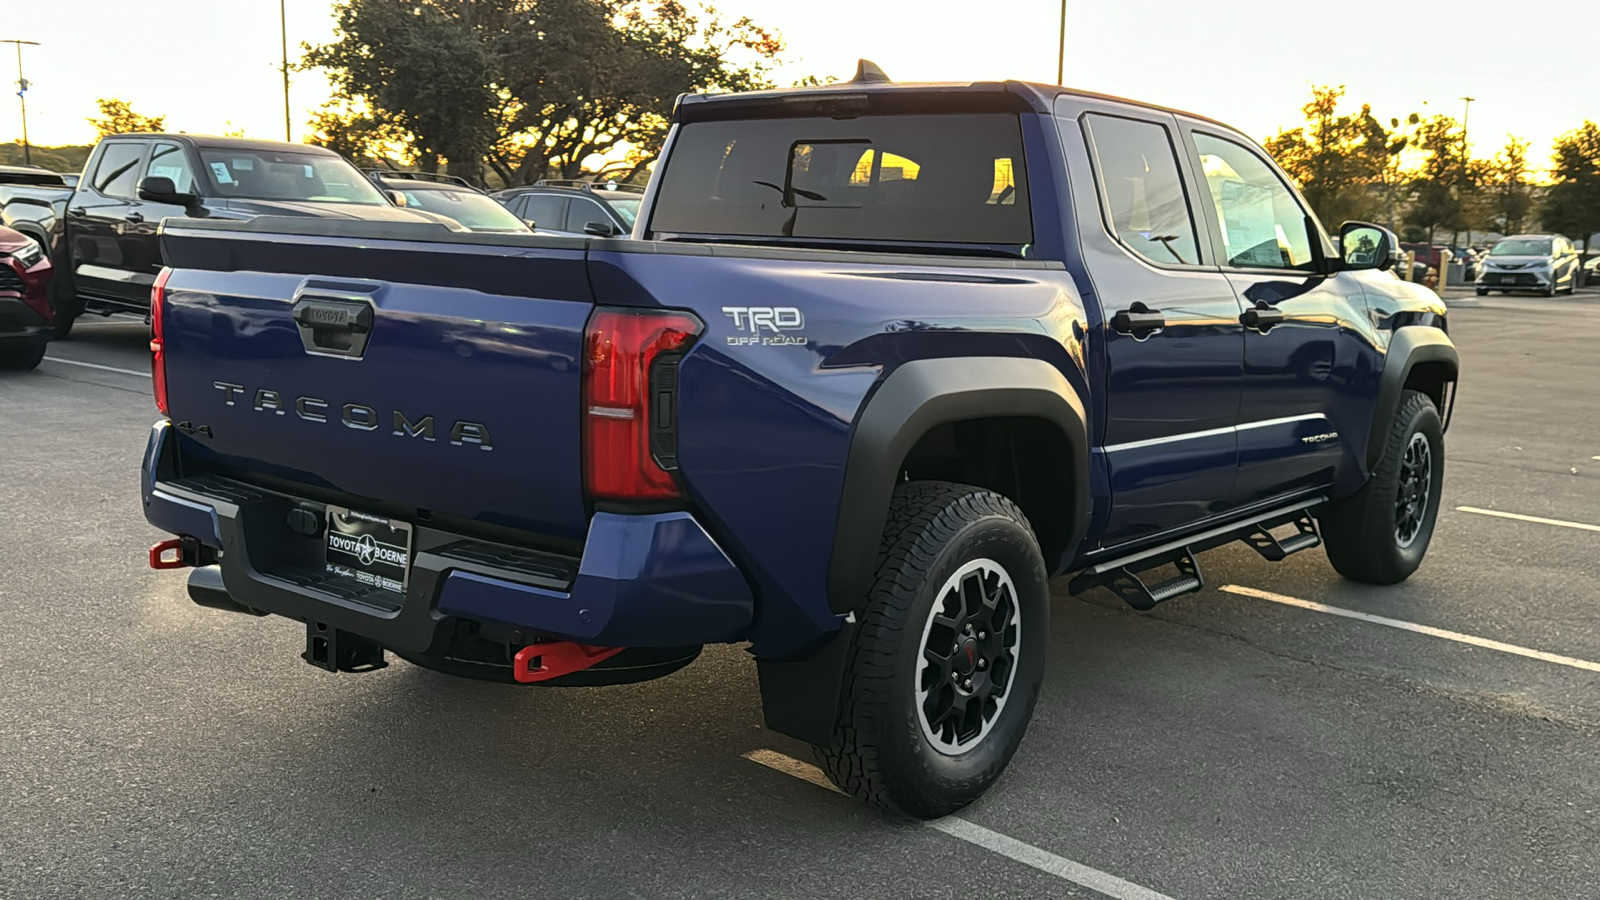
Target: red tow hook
point(542, 662)
point(159, 558)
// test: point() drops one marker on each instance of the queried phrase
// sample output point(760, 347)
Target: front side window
point(1261, 223)
point(287, 175)
point(1144, 203)
point(583, 212)
point(118, 172)
point(169, 161)
point(949, 179)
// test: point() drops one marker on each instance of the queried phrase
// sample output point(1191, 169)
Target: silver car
point(1530, 262)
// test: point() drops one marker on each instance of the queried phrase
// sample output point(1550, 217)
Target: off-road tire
point(880, 751)
point(21, 356)
point(1360, 531)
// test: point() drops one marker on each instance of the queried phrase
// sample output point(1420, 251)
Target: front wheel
point(949, 653)
point(1380, 534)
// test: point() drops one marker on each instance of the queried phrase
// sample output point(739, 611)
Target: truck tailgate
point(369, 363)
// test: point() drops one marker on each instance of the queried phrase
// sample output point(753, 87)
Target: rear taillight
point(158, 352)
point(630, 402)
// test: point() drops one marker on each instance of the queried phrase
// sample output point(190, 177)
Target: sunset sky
point(211, 65)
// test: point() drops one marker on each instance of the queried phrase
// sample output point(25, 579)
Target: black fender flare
point(915, 398)
point(1409, 347)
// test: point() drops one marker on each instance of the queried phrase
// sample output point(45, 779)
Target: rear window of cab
point(947, 179)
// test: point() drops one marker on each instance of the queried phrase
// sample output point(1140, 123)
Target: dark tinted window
point(548, 211)
point(917, 178)
point(1141, 189)
point(118, 172)
point(582, 212)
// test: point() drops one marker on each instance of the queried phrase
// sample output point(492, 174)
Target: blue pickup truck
point(877, 362)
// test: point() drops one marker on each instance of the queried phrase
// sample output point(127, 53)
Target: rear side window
point(1141, 191)
point(118, 171)
point(949, 179)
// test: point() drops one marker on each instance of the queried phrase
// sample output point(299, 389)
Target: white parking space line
point(1538, 520)
point(979, 836)
point(1456, 636)
point(88, 365)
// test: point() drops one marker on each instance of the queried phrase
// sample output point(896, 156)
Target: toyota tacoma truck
point(878, 361)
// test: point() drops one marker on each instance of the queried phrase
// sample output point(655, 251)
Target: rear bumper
point(643, 580)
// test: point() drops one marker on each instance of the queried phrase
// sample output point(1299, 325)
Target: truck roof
point(889, 96)
point(237, 143)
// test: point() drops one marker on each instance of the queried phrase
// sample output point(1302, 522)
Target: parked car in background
point(1531, 262)
point(581, 207)
point(101, 235)
point(1591, 270)
point(1470, 259)
point(25, 314)
point(448, 196)
point(31, 175)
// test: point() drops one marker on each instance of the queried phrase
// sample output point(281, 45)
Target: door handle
point(1262, 316)
point(1139, 320)
point(78, 212)
point(135, 217)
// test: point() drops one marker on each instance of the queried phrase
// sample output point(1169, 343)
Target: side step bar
point(1122, 575)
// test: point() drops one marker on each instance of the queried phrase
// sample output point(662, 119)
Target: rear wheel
point(949, 654)
point(20, 356)
point(1380, 534)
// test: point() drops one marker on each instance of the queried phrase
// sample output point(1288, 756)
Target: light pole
point(1061, 46)
point(1466, 111)
point(283, 34)
point(22, 97)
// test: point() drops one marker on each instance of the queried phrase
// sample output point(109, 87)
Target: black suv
point(602, 209)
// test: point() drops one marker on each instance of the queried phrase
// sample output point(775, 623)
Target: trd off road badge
point(767, 326)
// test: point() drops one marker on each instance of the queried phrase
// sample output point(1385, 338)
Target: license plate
point(368, 549)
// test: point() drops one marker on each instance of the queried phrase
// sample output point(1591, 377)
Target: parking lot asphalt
point(1226, 745)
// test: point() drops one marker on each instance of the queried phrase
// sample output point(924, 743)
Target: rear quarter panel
point(765, 415)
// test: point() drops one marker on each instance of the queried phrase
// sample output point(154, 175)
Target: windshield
point(277, 175)
point(626, 207)
point(1521, 248)
point(476, 211)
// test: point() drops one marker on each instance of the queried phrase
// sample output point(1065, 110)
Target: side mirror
point(160, 189)
point(397, 198)
point(531, 224)
point(600, 229)
point(1363, 245)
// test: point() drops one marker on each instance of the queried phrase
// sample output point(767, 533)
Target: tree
point(118, 117)
point(1347, 166)
point(1509, 194)
point(530, 88)
point(1572, 205)
point(1438, 200)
